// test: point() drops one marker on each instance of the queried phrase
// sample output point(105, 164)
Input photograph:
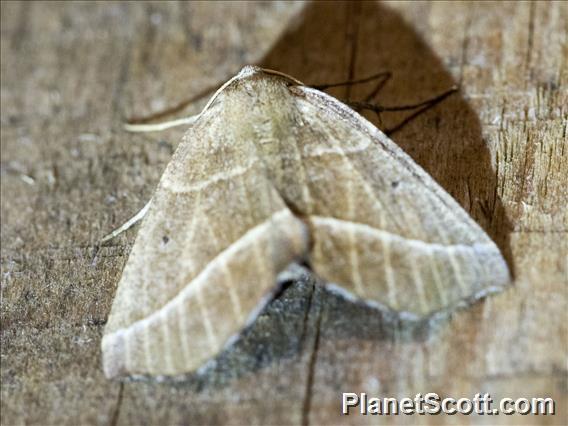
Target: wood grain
point(70, 73)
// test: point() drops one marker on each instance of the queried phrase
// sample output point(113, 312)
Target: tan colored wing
point(382, 228)
point(205, 258)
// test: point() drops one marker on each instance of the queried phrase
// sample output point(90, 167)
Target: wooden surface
point(70, 73)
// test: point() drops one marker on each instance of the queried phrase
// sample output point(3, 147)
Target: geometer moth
point(273, 172)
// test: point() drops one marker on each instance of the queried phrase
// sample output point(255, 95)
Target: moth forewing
point(271, 172)
point(402, 240)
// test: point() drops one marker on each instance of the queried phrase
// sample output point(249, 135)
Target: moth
point(273, 172)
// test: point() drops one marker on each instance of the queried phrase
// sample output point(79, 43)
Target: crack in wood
point(307, 401)
point(352, 35)
point(116, 411)
point(465, 44)
point(530, 41)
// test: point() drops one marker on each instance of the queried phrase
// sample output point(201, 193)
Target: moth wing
point(383, 229)
point(206, 257)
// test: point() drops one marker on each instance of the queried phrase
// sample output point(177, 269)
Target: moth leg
point(128, 224)
point(387, 76)
point(422, 107)
point(383, 75)
point(382, 82)
point(380, 108)
point(157, 127)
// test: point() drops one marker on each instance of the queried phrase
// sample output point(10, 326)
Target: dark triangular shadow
point(335, 41)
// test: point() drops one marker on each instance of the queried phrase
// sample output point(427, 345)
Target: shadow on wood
point(446, 140)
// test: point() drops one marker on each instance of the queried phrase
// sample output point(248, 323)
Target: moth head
point(248, 71)
point(252, 70)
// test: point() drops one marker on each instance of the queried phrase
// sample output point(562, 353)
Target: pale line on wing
point(127, 353)
point(353, 255)
point(453, 261)
point(193, 288)
point(213, 179)
point(416, 244)
point(228, 282)
point(320, 150)
point(167, 346)
point(305, 188)
point(438, 282)
point(389, 273)
point(211, 337)
point(147, 348)
point(182, 313)
point(419, 284)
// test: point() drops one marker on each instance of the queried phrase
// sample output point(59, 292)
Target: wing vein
point(418, 244)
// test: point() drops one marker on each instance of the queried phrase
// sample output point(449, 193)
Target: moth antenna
point(180, 106)
point(158, 127)
point(128, 224)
